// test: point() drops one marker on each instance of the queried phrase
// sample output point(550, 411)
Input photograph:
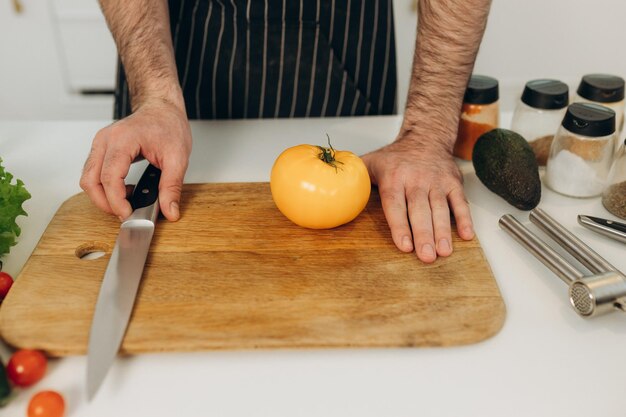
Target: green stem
point(328, 155)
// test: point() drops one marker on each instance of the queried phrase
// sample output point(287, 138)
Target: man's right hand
point(159, 132)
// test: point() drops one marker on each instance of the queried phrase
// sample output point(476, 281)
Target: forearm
point(142, 34)
point(449, 34)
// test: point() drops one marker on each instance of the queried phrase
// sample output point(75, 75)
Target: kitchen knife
point(614, 230)
point(121, 279)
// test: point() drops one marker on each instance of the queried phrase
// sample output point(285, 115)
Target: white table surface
point(546, 361)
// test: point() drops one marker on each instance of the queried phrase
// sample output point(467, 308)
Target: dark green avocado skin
point(5, 388)
point(506, 164)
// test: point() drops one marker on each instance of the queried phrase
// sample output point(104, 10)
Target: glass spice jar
point(539, 113)
point(606, 90)
point(479, 114)
point(614, 197)
point(582, 151)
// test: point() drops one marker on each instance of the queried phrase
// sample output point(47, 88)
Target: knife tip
point(93, 383)
point(91, 390)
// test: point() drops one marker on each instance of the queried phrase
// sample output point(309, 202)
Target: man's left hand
point(419, 186)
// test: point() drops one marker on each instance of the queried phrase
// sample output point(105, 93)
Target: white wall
point(525, 39)
point(528, 39)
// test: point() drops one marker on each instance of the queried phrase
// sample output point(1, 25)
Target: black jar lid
point(481, 90)
point(602, 88)
point(588, 119)
point(546, 94)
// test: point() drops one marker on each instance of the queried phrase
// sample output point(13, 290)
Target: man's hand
point(419, 182)
point(419, 186)
point(157, 131)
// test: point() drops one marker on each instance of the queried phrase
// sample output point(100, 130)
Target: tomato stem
point(328, 155)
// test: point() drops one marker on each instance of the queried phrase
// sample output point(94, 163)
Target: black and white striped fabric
point(278, 58)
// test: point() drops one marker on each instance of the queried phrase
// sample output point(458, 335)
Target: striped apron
point(278, 58)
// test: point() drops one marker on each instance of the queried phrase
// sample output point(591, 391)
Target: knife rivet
point(145, 191)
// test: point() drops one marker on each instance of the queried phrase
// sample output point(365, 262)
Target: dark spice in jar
point(541, 148)
point(614, 199)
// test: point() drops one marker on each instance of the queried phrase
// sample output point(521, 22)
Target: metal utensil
point(121, 280)
point(590, 295)
point(568, 241)
point(609, 228)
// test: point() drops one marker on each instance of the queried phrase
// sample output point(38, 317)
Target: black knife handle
point(147, 189)
point(610, 223)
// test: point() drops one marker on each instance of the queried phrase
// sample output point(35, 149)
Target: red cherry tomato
point(5, 284)
point(46, 404)
point(26, 367)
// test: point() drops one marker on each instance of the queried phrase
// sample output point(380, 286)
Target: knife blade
point(121, 280)
point(610, 228)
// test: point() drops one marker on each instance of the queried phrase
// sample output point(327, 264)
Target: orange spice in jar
point(479, 114)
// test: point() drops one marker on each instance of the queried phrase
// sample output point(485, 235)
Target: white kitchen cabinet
point(48, 57)
point(86, 49)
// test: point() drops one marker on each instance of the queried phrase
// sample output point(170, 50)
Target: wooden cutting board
point(234, 273)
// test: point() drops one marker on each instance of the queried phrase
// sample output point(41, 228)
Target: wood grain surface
point(234, 273)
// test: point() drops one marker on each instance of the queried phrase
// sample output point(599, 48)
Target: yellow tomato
point(319, 187)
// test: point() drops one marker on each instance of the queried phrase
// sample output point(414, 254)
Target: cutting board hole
point(92, 250)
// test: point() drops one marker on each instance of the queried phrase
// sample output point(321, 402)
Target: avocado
point(506, 164)
point(5, 388)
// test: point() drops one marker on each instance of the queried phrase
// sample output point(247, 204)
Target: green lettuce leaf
point(11, 198)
